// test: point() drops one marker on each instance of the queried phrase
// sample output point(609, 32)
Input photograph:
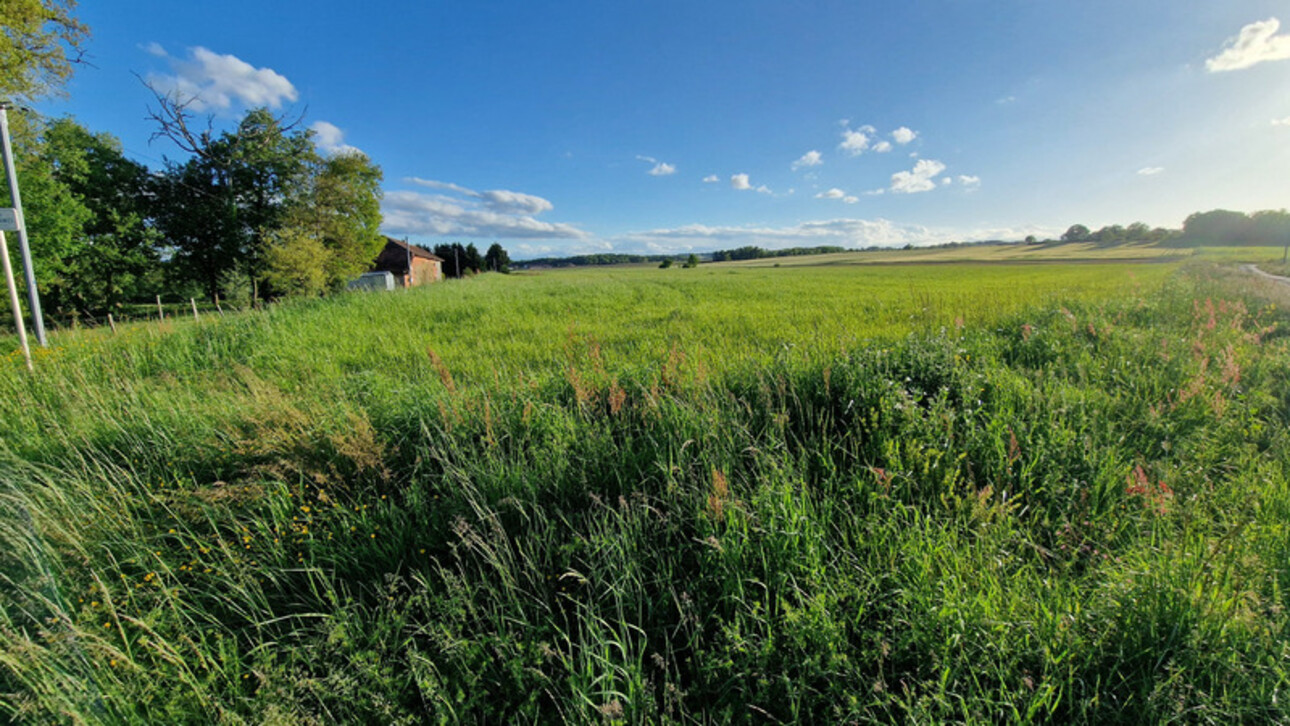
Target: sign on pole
point(8, 219)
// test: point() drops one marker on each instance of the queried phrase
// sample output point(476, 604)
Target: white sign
point(8, 219)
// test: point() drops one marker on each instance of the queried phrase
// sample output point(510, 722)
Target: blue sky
point(572, 127)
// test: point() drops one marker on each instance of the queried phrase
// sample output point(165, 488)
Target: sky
point(570, 127)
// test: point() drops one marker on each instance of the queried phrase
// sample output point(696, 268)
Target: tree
point(118, 249)
point(1077, 233)
point(223, 207)
point(1137, 232)
point(666, 263)
point(54, 216)
point(296, 263)
point(1219, 227)
point(450, 254)
point(691, 261)
point(340, 209)
point(496, 259)
point(39, 45)
point(470, 258)
point(1030, 240)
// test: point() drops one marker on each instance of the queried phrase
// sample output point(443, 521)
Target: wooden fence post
point(194, 302)
point(112, 323)
point(161, 314)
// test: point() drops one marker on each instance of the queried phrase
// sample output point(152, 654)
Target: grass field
point(821, 493)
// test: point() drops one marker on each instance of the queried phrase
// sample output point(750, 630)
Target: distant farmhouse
point(410, 264)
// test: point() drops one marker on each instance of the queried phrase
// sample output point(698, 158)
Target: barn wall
point(426, 271)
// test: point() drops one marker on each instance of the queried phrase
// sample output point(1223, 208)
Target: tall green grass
point(973, 494)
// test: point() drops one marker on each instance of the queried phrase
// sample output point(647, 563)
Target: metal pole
point(13, 302)
point(29, 272)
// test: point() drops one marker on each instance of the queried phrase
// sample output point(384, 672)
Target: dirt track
point(1253, 269)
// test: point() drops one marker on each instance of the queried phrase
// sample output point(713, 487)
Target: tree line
point(1218, 227)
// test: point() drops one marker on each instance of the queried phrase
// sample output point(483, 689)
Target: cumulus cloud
point(154, 48)
point(834, 193)
point(846, 232)
point(213, 82)
point(1256, 43)
point(968, 181)
point(330, 139)
point(856, 141)
point(920, 179)
point(882, 147)
point(660, 168)
point(711, 179)
point(810, 158)
point(904, 135)
point(740, 182)
point(1281, 121)
point(1150, 170)
point(497, 213)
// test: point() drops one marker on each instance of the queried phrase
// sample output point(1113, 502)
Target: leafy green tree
point(40, 43)
point(450, 254)
point(1077, 233)
point(223, 207)
point(54, 215)
point(117, 249)
point(496, 259)
point(1137, 232)
point(691, 261)
point(666, 263)
point(340, 208)
point(471, 259)
point(1219, 227)
point(296, 263)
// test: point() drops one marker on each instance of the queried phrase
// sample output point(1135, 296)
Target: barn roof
point(416, 250)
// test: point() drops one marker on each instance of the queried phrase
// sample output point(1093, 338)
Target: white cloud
point(882, 147)
point(154, 48)
point(660, 168)
point(810, 158)
point(834, 193)
point(213, 82)
point(1256, 43)
point(904, 135)
point(856, 141)
point(947, 180)
point(330, 139)
point(846, 232)
point(739, 181)
point(969, 181)
point(507, 202)
point(497, 213)
point(763, 189)
point(1006, 100)
point(711, 179)
point(1150, 170)
point(1281, 121)
point(920, 179)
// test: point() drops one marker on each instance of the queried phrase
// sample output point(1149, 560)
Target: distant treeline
point(1218, 227)
point(757, 253)
point(740, 253)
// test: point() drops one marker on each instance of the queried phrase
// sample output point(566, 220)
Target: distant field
point(1048, 253)
point(982, 492)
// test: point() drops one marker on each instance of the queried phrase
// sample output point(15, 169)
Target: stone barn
point(410, 264)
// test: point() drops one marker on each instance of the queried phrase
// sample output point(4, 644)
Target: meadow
point(977, 492)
